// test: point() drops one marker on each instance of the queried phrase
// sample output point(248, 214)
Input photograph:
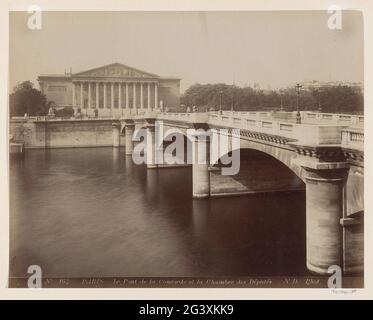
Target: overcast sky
point(269, 48)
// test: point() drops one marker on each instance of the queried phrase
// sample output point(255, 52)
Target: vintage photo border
point(175, 293)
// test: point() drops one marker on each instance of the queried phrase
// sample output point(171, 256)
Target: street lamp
point(319, 100)
point(281, 96)
point(220, 95)
point(194, 102)
point(298, 86)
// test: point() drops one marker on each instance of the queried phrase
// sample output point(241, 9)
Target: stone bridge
point(324, 151)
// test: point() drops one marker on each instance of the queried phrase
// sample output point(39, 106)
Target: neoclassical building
point(112, 90)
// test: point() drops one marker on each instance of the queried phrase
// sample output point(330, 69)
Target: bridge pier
point(129, 128)
point(200, 167)
point(324, 213)
point(116, 134)
point(151, 145)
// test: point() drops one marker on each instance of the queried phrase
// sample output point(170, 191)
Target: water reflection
point(151, 185)
point(201, 210)
point(92, 212)
point(117, 158)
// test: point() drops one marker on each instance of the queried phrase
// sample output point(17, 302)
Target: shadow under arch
point(259, 171)
point(282, 155)
point(123, 129)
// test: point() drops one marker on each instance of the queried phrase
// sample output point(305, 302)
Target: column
point(149, 108)
point(127, 98)
point(141, 97)
point(134, 96)
point(155, 95)
point(116, 134)
point(89, 96)
point(97, 95)
point(112, 95)
point(104, 95)
point(74, 102)
point(120, 95)
point(81, 95)
point(129, 129)
point(151, 146)
point(201, 163)
point(324, 211)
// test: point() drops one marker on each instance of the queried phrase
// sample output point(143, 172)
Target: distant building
point(111, 89)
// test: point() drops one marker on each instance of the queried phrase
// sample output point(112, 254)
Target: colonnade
point(137, 91)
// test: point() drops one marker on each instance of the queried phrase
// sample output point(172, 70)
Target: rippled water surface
point(92, 212)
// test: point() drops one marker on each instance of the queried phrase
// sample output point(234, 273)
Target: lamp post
point(298, 86)
point(194, 102)
point(220, 95)
point(319, 100)
point(281, 96)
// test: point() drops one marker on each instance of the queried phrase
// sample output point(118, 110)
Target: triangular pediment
point(116, 70)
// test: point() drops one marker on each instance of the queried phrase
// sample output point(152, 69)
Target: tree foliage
point(336, 99)
point(26, 99)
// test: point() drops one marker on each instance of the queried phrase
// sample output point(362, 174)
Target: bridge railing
point(306, 117)
point(353, 138)
point(187, 117)
point(332, 117)
point(49, 118)
point(307, 134)
point(316, 133)
point(304, 133)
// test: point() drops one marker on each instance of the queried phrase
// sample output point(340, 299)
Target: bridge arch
point(283, 154)
point(258, 172)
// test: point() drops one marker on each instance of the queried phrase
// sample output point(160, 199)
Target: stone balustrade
point(308, 117)
point(353, 138)
point(304, 133)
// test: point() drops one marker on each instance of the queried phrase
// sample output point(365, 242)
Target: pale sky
point(269, 48)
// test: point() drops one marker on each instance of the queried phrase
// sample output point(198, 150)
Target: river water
point(91, 212)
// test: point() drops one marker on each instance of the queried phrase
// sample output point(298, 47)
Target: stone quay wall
point(63, 133)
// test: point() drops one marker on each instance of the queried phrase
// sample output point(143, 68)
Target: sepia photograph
point(186, 149)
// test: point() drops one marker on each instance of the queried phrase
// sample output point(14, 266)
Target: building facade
point(111, 90)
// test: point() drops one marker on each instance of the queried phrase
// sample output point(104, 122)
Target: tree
point(336, 99)
point(26, 99)
point(340, 99)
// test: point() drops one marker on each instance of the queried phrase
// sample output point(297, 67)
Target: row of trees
point(335, 99)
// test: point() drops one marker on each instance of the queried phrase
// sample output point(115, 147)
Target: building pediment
point(116, 70)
